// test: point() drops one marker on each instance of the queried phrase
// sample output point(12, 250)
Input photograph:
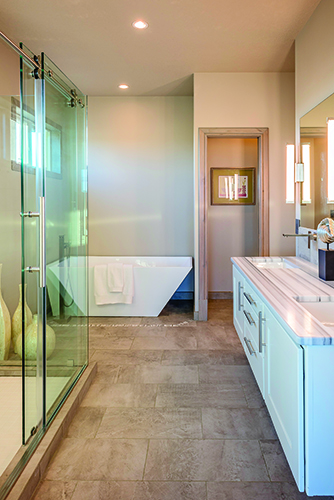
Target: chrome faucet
point(310, 236)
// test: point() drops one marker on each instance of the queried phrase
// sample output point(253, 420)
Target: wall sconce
point(290, 173)
point(306, 158)
point(330, 160)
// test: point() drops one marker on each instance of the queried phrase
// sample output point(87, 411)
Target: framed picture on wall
point(233, 186)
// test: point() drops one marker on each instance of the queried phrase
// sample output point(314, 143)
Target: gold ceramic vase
point(31, 341)
point(17, 318)
point(5, 327)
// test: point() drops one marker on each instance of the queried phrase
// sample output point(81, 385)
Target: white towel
point(101, 291)
point(100, 284)
point(128, 289)
point(115, 277)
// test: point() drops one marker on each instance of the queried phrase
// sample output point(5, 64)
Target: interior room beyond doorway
point(233, 228)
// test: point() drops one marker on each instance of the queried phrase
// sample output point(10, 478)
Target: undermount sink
point(270, 263)
point(322, 308)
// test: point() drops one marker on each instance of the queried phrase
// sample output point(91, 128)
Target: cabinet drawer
point(251, 299)
point(254, 357)
point(254, 322)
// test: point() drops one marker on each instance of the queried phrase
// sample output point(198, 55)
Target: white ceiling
point(94, 44)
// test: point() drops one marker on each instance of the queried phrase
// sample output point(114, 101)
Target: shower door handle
point(42, 249)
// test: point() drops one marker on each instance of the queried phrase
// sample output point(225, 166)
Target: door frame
point(262, 134)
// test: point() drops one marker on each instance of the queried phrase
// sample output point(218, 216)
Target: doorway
point(226, 231)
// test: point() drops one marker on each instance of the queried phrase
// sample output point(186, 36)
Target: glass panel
point(10, 265)
point(66, 239)
point(32, 175)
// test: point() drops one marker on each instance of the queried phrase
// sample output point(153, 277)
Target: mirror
point(313, 145)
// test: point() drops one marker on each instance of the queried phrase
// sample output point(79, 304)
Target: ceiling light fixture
point(140, 25)
point(123, 86)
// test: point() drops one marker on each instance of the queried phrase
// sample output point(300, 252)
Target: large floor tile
point(213, 339)
point(86, 422)
point(254, 491)
point(204, 357)
point(151, 423)
point(241, 423)
point(128, 357)
point(205, 460)
point(253, 395)
point(99, 459)
point(221, 374)
point(277, 465)
point(112, 331)
point(171, 341)
point(99, 342)
point(158, 375)
point(200, 396)
point(139, 490)
point(121, 395)
point(55, 490)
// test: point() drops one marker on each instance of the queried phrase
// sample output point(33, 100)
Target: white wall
point(140, 175)
point(251, 100)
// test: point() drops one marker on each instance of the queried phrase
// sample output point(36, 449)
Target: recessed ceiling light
point(140, 25)
point(123, 86)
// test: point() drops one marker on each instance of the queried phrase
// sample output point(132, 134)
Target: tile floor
point(174, 413)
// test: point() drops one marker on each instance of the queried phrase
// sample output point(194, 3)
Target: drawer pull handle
point(250, 298)
point(249, 346)
point(240, 287)
point(261, 319)
point(249, 318)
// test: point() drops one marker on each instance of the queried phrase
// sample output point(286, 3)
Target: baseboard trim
point(220, 295)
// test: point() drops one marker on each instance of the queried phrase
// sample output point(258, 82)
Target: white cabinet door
point(238, 308)
point(284, 393)
point(319, 419)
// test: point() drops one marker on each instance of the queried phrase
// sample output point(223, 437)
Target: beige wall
point(251, 100)
point(232, 230)
point(314, 60)
point(10, 199)
point(314, 48)
point(140, 177)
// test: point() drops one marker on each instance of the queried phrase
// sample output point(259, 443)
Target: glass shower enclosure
point(47, 130)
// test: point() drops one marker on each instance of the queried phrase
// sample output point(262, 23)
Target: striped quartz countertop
point(280, 287)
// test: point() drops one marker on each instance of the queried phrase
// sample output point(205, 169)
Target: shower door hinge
point(37, 72)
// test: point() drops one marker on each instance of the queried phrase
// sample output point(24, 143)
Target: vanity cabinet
point(295, 372)
point(277, 365)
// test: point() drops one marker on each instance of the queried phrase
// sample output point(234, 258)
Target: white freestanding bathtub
point(155, 281)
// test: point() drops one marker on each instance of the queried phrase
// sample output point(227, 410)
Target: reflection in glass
point(319, 204)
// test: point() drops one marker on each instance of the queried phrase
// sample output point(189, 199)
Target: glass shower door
point(54, 239)
point(66, 233)
point(30, 345)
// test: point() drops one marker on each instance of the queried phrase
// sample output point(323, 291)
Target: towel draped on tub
point(113, 284)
